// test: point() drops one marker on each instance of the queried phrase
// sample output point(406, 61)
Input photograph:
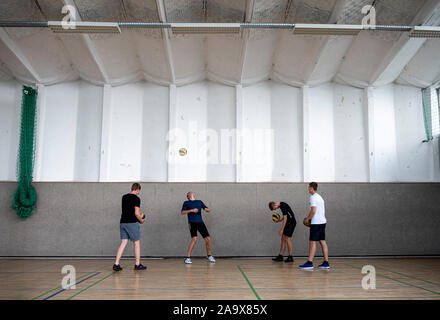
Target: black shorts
point(317, 232)
point(200, 227)
point(288, 229)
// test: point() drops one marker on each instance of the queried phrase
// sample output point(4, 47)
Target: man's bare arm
point(188, 211)
point(311, 213)
point(137, 213)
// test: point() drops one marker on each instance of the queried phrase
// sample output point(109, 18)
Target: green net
point(427, 117)
point(25, 197)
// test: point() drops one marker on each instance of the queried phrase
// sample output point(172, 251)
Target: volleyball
point(182, 152)
point(276, 217)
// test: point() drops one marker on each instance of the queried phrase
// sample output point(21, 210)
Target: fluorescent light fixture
point(205, 28)
point(328, 29)
point(425, 32)
point(85, 27)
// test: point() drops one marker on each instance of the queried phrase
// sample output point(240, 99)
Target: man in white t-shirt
point(318, 222)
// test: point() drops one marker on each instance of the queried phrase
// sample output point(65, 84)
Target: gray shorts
point(130, 231)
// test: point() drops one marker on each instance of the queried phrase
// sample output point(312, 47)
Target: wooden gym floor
point(244, 279)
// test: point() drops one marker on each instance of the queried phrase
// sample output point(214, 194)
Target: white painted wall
point(221, 118)
point(125, 153)
point(384, 135)
point(286, 122)
point(88, 132)
point(350, 135)
point(343, 123)
point(321, 133)
point(60, 132)
point(415, 158)
point(71, 131)
point(257, 147)
point(191, 118)
point(10, 110)
point(154, 130)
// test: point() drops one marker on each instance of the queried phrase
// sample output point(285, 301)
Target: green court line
point(249, 283)
point(93, 284)
point(408, 276)
point(47, 292)
point(403, 282)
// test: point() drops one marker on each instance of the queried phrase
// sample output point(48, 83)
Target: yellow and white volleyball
point(182, 152)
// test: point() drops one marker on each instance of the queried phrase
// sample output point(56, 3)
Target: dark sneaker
point(139, 267)
point(307, 266)
point(278, 258)
point(289, 259)
point(117, 267)
point(324, 265)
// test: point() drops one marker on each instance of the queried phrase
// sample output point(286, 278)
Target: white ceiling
point(36, 55)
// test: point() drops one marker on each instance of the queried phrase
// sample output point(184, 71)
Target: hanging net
point(25, 197)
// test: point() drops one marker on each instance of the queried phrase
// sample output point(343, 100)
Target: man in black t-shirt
point(129, 226)
point(286, 232)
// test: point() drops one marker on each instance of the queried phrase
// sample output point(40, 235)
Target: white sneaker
point(211, 259)
point(188, 260)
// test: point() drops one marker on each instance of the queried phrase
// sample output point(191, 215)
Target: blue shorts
point(131, 231)
point(317, 232)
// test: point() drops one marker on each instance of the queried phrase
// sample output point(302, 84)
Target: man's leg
point(312, 250)
point(324, 249)
point(208, 246)
point(191, 246)
point(137, 251)
point(283, 245)
point(288, 241)
point(121, 250)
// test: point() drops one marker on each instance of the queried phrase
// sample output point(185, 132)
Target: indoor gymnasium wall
point(329, 133)
point(350, 135)
point(82, 219)
point(10, 99)
point(416, 159)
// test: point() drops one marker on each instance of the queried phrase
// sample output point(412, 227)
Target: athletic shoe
point(289, 259)
point(324, 265)
point(139, 267)
point(307, 266)
point(211, 259)
point(278, 258)
point(188, 260)
point(117, 267)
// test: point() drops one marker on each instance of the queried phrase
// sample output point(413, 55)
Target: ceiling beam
point(6, 39)
point(325, 41)
point(90, 45)
point(166, 39)
point(436, 81)
point(405, 48)
point(245, 39)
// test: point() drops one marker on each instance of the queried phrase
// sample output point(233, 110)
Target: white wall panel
point(126, 133)
point(88, 133)
point(346, 128)
point(321, 131)
point(257, 135)
point(415, 158)
point(351, 135)
point(286, 122)
point(384, 135)
point(154, 130)
point(10, 111)
point(191, 119)
point(221, 120)
point(59, 132)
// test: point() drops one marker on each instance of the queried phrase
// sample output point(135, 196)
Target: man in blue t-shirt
point(193, 208)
